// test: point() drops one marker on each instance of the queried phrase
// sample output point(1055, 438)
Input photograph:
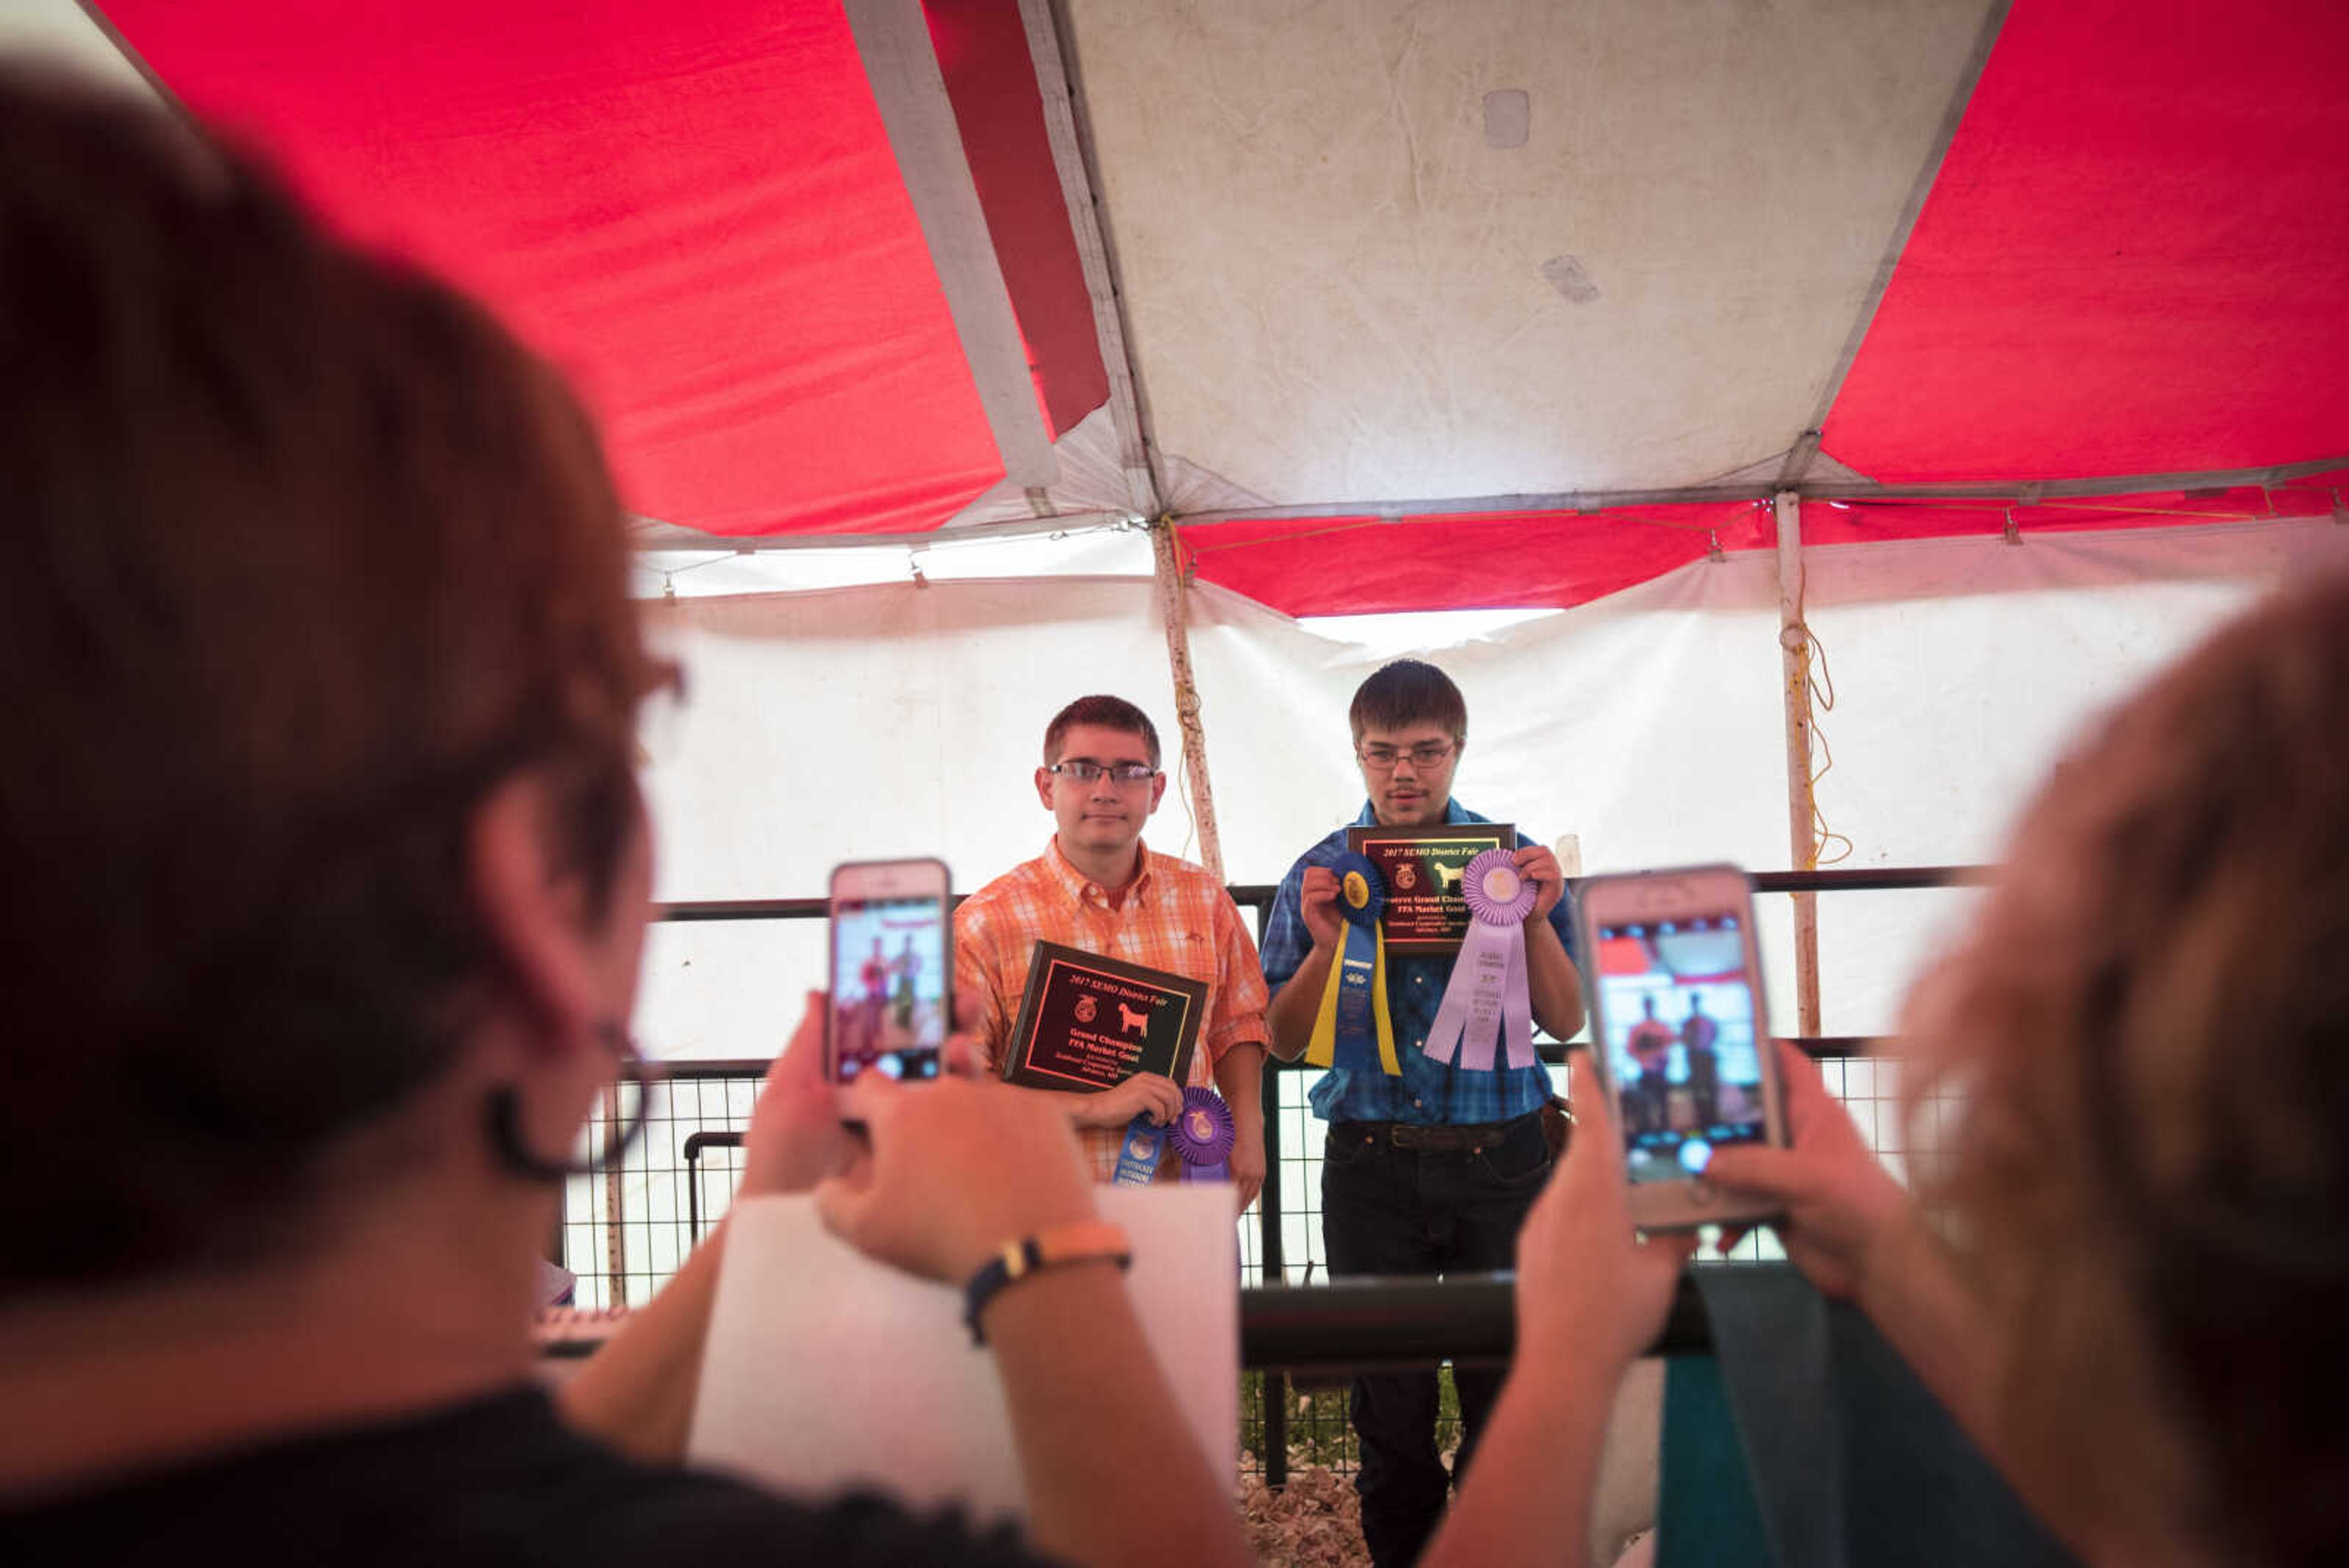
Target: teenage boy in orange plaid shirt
point(1098, 888)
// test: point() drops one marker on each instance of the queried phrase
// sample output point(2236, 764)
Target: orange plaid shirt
point(1176, 917)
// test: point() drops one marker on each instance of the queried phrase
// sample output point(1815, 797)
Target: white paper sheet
point(827, 1372)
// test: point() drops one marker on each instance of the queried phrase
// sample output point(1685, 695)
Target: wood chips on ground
point(1316, 1521)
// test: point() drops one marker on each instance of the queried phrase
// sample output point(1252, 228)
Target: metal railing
point(1308, 1327)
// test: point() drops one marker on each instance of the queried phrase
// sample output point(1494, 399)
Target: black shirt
point(499, 1480)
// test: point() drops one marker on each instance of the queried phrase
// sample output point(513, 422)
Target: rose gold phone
point(1681, 1039)
point(892, 970)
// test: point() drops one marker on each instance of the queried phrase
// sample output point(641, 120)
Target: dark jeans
point(1388, 1210)
point(1704, 1086)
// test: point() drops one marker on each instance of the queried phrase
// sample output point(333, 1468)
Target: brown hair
point(1104, 713)
point(305, 555)
point(1406, 692)
point(2150, 1028)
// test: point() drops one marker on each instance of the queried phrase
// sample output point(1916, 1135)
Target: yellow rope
point(1823, 700)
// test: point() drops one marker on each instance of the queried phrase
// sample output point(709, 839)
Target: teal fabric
point(1843, 1456)
point(1706, 1511)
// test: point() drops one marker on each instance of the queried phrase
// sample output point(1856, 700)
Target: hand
point(1153, 1095)
point(1540, 868)
point(1842, 1205)
point(1587, 1283)
point(1317, 903)
point(965, 1053)
point(1247, 1162)
point(954, 1170)
point(795, 1139)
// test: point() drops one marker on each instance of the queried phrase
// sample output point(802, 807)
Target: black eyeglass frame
point(515, 1153)
point(1084, 769)
point(1445, 751)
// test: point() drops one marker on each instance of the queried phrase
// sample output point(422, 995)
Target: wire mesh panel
point(623, 1254)
point(674, 1189)
point(623, 1236)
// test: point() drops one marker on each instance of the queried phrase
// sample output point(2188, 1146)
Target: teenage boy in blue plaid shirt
point(1430, 1173)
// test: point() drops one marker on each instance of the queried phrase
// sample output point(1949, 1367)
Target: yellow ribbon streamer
point(1321, 1050)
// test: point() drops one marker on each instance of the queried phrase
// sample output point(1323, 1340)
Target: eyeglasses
point(1426, 755)
point(1084, 769)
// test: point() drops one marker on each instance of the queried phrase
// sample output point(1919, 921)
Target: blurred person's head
point(2149, 1033)
point(321, 674)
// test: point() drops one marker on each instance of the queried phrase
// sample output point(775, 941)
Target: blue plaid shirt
point(1429, 1092)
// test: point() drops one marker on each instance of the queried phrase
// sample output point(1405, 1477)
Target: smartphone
point(892, 970)
point(1679, 1034)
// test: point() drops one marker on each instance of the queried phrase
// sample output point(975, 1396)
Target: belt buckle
point(1438, 1138)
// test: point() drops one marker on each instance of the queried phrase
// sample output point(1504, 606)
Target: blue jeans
point(1388, 1210)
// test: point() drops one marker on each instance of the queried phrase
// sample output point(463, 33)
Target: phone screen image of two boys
point(1680, 1042)
point(888, 986)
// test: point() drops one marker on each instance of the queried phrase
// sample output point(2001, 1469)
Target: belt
point(1458, 1137)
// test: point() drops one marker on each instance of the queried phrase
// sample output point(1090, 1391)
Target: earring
point(504, 1111)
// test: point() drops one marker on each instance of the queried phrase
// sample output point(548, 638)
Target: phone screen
point(1679, 1010)
point(888, 985)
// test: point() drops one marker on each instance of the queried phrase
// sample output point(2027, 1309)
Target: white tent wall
point(1963, 669)
point(893, 719)
point(897, 720)
point(1556, 706)
point(857, 723)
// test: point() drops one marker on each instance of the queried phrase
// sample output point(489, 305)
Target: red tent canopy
point(841, 268)
point(693, 208)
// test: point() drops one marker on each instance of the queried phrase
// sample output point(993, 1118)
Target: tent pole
point(901, 67)
point(1174, 609)
point(1070, 133)
point(1802, 840)
point(615, 1243)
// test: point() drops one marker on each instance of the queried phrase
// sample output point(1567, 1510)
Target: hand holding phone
point(1590, 1290)
point(952, 1172)
point(795, 1139)
point(1844, 1211)
point(1683, 1044)
point(892, 970)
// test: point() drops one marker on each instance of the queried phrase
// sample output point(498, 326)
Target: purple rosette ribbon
point(1487, 1001)
point(1202, 1134)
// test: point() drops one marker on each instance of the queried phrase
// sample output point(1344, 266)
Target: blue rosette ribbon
point(1487, 1001)
point(1137, 1159)
point(1203, 1135)
point(1352, 1029)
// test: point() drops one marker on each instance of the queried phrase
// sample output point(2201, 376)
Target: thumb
point(1669, 1250)
point(842, 1202)
point(801, 1060)
point(1777, 1172)
point(1591, 1112)
point(1592, 1154)
point(869, 1098)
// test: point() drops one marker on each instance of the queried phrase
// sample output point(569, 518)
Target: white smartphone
point(1680, 1035)
point(892, 970)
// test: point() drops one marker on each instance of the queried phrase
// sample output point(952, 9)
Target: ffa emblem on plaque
point(1406, 876)
point(1087, 1008)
